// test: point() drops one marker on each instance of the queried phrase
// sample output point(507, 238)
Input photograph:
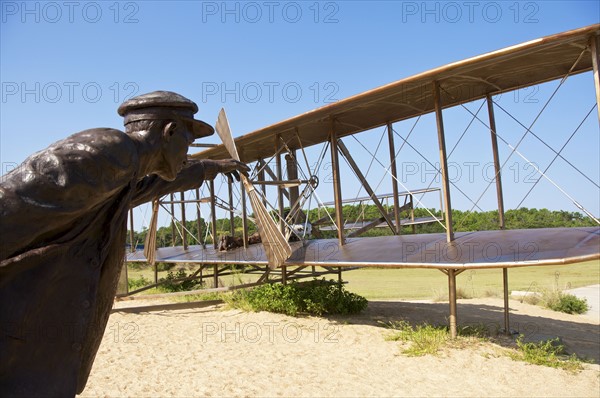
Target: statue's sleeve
point(53, 191)
point(151, 187)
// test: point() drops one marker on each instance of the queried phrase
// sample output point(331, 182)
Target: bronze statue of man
point(63, 230)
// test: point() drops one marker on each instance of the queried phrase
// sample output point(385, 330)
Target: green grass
point(377, 284)
point(427, 339)
point(426, 284)
point(549, 353)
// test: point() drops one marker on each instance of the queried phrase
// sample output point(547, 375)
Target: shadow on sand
point(582, 339)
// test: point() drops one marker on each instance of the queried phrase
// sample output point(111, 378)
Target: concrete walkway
point(592, 295)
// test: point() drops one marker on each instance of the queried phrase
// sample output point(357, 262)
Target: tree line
point(463, 221)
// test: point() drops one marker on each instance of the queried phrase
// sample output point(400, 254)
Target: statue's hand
point(232, 168)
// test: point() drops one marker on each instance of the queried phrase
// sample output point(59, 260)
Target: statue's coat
point(63, 231)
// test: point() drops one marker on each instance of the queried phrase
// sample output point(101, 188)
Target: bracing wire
point(557, 155)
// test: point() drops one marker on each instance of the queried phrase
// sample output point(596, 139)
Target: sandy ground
point(198, 350)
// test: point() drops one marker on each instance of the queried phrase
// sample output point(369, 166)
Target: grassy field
point(374, 283)
point(431, 284)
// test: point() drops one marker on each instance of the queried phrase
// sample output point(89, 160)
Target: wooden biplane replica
point(278, 155)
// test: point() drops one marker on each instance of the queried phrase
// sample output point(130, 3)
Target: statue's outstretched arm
point(191, 177)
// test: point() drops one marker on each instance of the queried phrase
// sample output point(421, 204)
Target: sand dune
point(196, 350)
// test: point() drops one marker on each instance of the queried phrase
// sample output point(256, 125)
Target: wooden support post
point(506, 306)
point(244, 215)
point(490, 106)
point(337, 189)
point(412, 214)
point(365, 184)
point(216, 275)
point(595, 47)
point(280, 192)
point(213, 213)
point(279, 172)
point(394, 171)
point(261, 177)
point(183, 221)
point(292, 174)
point(452, 298)
point(198, 217)
point(443, 161)
point(340, 280)
point(231, 216)
point(131, 232)
point(173, 231)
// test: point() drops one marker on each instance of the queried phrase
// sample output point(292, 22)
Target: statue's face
point(176, 141)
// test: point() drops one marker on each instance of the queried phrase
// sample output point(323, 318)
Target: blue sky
point(66, 67)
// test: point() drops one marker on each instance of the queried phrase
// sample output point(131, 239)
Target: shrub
point(137, 266)
point(136, 283)
point(160, 267)
point(173, 283)
point(317, 297)
point(568, 303)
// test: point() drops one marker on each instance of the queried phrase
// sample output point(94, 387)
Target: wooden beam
point(394, 171)
point(337, 189)
point(500, 197)
point(375, 223)
point(595, 48)
point(183, 227)
point(173, 232)
point(216, 276)
point(342, 147)
point(198, 218)
point(231, 215)
point(213, 212)
point(292, 174)
point(443, 161)
point(280, 193)
point(279, 171)
point(244, 215)
point(452, 299)
point(506, 306)
point(261, 176)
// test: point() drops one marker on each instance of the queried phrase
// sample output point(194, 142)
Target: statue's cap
point(161, 105)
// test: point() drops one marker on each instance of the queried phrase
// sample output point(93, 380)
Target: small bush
point(532, 299)
point(173, 283)
point(136, 266)
point(318, 297)
point(546, 353)
point(567, 303)
point(463, 294)
point(426, 339)
point(161, 267)
point(137, 283)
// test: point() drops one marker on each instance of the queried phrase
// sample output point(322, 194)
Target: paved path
point(592, 294)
